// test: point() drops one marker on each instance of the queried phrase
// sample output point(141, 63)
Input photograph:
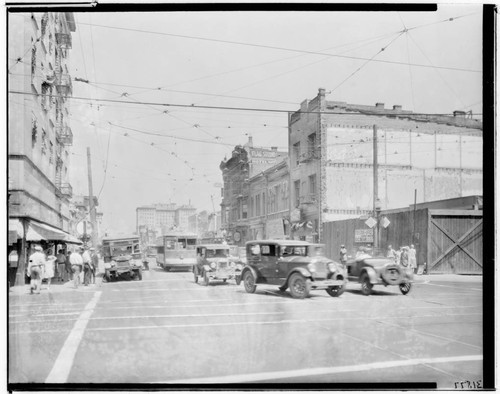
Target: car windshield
point(217, 253)
point(316, 250)
point(290, 250)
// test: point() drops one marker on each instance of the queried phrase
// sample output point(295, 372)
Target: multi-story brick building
point(39, 133)
point(331, 147)
point(243, 194)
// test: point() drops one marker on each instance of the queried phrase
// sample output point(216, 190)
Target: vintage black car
point(298, 265)
point(215, 262)
point(375, 269)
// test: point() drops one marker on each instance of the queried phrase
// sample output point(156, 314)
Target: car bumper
point(325, 284)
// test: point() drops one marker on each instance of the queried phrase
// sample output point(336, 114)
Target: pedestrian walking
point(87, 268)
point(343, 255)
point(13, 264)
point(61, 265)
point(391, 253)
point(69, 268)
point(48, 272)
point(412, 258)
point(35, 264)
point(403, 258)
point(76, 265)
point(94, 265)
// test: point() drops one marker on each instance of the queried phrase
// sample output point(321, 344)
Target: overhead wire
point(291, 49)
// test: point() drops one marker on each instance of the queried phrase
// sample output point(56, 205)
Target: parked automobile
point(298, 265)
point(372, 268)
point(215, 262)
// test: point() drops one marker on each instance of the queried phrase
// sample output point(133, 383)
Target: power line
point(291, 49)
point(235, 108)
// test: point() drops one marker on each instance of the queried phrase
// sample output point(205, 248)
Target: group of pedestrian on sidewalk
point(47, 266)
point(405, 256)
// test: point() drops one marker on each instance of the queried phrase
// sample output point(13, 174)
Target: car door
point(269, 260)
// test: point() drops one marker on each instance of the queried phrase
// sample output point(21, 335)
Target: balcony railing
point(64, 134)
point(64, 40)
point(308, 199)
point(63, 83)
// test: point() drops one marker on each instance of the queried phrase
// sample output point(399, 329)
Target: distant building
point(163, 218)
point(39, 133)
point(332, 161)
point(239, 200)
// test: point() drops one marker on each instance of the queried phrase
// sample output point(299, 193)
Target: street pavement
point(166, 329)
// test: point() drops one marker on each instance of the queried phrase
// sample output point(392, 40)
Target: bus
point(176, 250)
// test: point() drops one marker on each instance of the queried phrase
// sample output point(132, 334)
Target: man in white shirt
point(35, 266)
point(76, 261)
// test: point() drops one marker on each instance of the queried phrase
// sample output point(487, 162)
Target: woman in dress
point(49, 268)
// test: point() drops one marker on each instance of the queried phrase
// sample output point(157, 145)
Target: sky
point(133, 64)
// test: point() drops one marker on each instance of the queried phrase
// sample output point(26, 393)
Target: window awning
point(39, 231)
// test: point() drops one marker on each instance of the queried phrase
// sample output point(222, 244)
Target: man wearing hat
point(87, 268)
point(76, 265)
point(35, 266)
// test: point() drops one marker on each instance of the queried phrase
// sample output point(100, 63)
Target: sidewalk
point(57, 287)
point(448, 278)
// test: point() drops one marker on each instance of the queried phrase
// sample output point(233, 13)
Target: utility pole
point(93, 220)
point(376, 201)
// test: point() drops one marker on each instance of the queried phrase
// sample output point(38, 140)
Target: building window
point(312, 184)
point(296, 152)
point(296, 188)
point(311, 145)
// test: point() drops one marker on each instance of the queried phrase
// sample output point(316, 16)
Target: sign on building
point(363, 235)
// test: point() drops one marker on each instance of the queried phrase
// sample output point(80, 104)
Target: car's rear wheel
point(335, 291)
point(299, 286)
point(206, 279)
point(405, 288)
point(366, 285)
point(249, 282)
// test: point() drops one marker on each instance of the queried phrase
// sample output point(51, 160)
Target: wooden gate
point(455, 241)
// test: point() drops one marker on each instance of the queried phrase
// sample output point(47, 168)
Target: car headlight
point(332, 267)
point(311, 267)
point(213, 265)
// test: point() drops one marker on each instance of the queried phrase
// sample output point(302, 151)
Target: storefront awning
point(39, 231)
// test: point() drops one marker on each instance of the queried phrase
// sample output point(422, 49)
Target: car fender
point(247, 268)
point(372, 274)
point(301, 270)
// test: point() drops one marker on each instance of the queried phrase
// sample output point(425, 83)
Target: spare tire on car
point(392, 274)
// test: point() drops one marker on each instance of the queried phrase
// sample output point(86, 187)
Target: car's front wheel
point(249, 282)
point(335, 291)
point(366, 285)
point(405, 288)
point(299, 286)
